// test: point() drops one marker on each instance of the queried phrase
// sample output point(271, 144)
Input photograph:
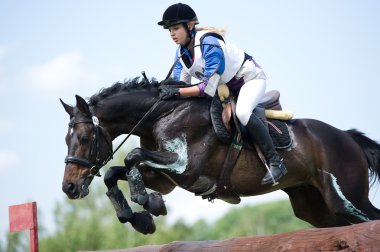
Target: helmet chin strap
point(189, 34)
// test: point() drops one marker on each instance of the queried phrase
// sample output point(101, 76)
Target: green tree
point(269, 218)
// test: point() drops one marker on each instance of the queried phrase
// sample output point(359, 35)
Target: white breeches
point(251, 93)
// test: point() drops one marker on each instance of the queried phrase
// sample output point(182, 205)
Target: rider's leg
point(250, 95)
point(260, 135)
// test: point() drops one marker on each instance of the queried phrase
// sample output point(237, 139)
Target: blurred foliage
point(91, 224)
point(16, 242)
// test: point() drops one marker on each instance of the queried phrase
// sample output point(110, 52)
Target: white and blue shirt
point(215, 54)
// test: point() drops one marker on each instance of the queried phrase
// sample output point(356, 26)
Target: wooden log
point(359, 237)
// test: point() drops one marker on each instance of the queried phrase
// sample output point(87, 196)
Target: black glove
point(171, 82)
point(167, 92)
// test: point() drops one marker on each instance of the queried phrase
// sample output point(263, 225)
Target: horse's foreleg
point(143, 221)
point(137, 187)
point(152, 202)
point(156, 159)
point(122, 208)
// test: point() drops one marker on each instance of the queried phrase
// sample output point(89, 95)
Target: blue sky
point(322, 55)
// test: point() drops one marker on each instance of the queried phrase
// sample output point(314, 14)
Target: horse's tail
point(371, 150)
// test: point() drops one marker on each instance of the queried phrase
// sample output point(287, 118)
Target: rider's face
point(179, 34)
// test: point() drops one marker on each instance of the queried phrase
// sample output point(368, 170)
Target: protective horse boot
point(123, 210)
point(151, 202)
point(260, 135)
point(137, 187)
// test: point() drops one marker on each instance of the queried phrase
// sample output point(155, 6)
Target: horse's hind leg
point(337, 202)
point(309, 205)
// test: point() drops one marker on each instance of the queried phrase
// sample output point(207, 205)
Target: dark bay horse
point(329, 170)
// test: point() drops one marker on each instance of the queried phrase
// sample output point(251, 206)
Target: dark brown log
point(359, 237)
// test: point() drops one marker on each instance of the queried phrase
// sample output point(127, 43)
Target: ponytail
point(221, 31)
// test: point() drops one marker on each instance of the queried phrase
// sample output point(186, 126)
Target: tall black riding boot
point(260, 135)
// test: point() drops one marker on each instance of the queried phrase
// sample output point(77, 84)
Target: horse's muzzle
point(76, 191)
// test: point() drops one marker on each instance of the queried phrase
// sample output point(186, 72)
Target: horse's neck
point(122, 115)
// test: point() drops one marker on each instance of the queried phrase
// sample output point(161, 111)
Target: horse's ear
point(82, 105)
point(69, 109)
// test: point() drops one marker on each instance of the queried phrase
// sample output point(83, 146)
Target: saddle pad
point(281, 140)
point(220, 129)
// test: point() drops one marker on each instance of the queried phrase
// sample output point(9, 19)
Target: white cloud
point(8, 159)
point(64, 71)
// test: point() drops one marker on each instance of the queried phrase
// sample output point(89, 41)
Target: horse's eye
point(84, 140)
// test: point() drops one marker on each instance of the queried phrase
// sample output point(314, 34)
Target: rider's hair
point(221, 31)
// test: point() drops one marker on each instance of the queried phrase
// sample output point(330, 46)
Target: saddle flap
point(226, 115)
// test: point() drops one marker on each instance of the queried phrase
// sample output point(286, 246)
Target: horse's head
point(89, 148)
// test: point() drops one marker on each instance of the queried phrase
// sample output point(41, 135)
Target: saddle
point(229, 130)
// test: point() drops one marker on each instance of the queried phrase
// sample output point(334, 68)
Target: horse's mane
point(135, 83)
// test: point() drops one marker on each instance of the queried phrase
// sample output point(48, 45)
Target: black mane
point(121, 86)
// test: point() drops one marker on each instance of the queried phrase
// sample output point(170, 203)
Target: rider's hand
point(171, 82)
point(167, 92)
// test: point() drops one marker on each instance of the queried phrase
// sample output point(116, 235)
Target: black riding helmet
point(177, 14)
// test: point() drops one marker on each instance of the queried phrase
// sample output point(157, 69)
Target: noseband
point(97, 165)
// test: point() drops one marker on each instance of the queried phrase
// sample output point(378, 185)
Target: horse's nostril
point(68, 187)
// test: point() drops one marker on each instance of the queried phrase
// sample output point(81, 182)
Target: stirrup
point(270, 173)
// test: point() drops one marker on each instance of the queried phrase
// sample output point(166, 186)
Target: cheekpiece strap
point(95, 121)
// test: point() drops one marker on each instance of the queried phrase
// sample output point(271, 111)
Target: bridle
point(98, 164)
point(94, 150)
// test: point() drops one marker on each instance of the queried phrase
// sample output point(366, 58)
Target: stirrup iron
point(270, 173)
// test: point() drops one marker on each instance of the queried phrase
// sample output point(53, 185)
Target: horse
point(329, 170)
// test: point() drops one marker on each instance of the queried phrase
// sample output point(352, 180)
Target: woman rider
point(217, 60)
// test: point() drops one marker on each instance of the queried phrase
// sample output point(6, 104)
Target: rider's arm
point(213, 56)
point(214, 62)
point(189, 91)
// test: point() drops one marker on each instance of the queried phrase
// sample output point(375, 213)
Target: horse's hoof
point(143, 223)
point(155, 204)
